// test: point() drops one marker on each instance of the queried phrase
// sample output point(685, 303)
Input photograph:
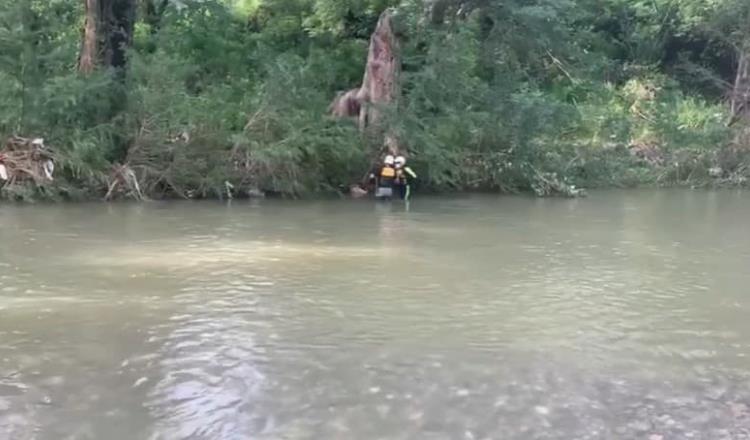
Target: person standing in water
point(404, 178)
point(385, 179)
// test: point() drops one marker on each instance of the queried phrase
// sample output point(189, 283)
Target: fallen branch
point(559, 64)
point(124, 178)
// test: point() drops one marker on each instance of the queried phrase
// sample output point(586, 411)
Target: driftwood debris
point(380, 85)
point(549, 184)
point(26, 160)
point(123, 179)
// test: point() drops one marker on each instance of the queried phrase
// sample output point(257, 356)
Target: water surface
point(623, 315)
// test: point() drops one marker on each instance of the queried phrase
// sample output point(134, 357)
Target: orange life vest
point(388, 173)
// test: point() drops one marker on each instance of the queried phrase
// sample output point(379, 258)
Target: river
point(624, 315)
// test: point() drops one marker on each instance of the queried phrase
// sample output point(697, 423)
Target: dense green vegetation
point(510, 95)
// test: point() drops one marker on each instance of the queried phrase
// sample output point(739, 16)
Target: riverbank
point(625, 168)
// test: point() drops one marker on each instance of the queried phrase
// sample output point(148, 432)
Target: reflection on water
point(216, 252)
point(210, 378)
point(618, 316)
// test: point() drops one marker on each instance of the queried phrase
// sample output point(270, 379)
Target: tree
point(107, 34)
point(732, 24)
point(380, 85)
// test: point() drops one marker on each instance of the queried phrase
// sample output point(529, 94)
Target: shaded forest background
point(207, 98)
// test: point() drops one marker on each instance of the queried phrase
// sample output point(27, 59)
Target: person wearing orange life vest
point(404, 178)
point(385, 178)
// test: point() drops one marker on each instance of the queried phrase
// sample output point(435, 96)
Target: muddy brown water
point(625, 315)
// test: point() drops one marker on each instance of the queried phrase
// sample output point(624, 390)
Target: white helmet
point(388, 160)
point(400, 161)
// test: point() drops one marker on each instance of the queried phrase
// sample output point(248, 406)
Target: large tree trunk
point(87, 59)
point(740, 98)
point(107, 34)
point(120, 32)
point(380, 86)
